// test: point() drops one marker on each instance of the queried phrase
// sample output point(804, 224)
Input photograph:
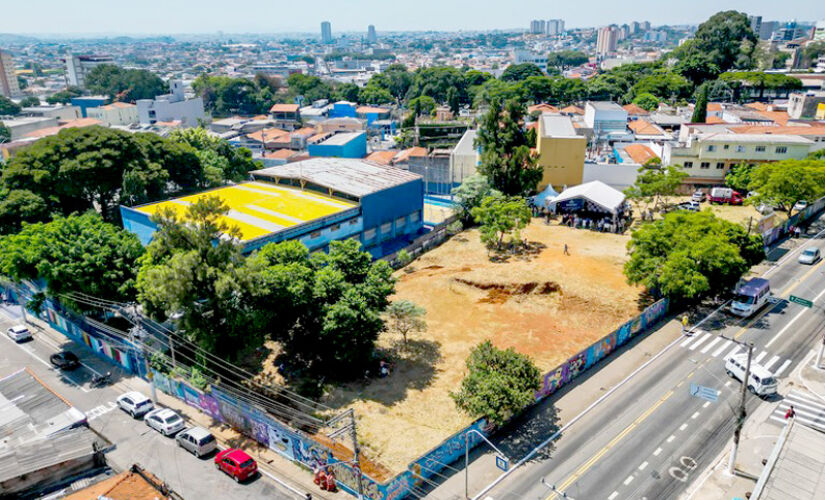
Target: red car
point(236, 463)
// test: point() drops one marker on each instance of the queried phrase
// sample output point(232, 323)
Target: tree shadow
point(524, 433)
point(525, 251)
point(412, 367)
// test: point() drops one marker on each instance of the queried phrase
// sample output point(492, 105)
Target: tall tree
point(5, 133)
point(470, 193)
point(785, 182)
point(127, 85)
point(500, 217)
point(8, 107)
point(506, 158)
point(700, 109)
point(726, 38)
point(565, 59)
point(519, 72)
point(655, 182)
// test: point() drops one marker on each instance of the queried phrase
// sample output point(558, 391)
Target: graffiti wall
point(771, 235)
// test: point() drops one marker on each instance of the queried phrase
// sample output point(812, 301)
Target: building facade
point(342, 145)
point(608, 37)
point(608, 120)
point(561, 152)
point(171, 107)
point(326, 32)
point(372, 37)
point(555, 27)
point(9, 86)
point(77, 67)
point(117, 113)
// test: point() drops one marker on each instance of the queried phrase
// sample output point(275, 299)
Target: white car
point(19, 333)
point(800, 205)
point(135, 403)
point(810, 256)
point(165, 421)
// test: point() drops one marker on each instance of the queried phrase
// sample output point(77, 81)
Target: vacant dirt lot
point(545, 304)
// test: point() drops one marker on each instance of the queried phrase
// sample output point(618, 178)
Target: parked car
point(197, 441)
point(800, 205)
point(760, 380)
point(810, 256)
point(19, 333)
point(236, 463)
point(64, 360)
point(725, 195)
point(699, 196)
point(165, 421)
point(693, 206)
point(135, 403)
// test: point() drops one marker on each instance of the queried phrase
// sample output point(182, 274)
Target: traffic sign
point(703, 392)
point(502, 463)
point(801, 301)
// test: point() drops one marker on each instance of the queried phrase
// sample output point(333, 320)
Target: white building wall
point(616, 176)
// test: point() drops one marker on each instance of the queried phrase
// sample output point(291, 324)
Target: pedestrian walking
point(566, 252)
point(791, 413)
point(684, 323)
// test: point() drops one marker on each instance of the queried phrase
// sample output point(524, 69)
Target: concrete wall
point(355, 148)
point(616, 176)
point(189, 111)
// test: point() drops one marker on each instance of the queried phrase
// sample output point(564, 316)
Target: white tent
point(596, 192)
point(545, 198)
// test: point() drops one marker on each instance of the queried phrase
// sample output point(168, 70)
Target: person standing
point(566, 251)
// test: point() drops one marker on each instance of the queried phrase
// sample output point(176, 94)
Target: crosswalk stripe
point(771, 362)
point(782, 368)
point(802, 410)
point(761, 355)
point(805, 401)
point(713, 343)
point(690, 339)
point(733, 351)
point(722, 347)
point(699, 342)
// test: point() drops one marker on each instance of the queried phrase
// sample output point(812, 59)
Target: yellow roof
point(259, 208)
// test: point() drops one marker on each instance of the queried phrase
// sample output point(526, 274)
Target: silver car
point(19, 333)
point(165, 421)
point(134, 403)
point(197, 441)
point(810, 256)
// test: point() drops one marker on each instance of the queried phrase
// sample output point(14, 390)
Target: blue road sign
point(703, 392)
point(502, 463)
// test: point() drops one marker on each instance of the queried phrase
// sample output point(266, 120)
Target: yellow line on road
point(587, 465)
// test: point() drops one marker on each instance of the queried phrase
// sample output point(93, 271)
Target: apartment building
point(117, 113)
point(560, 151)
point(77, 67)
point(607, 39)
point(172, 107)
point(8, 78)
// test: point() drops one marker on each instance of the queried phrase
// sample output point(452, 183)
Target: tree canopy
point(8, 107)
point(226, 96)
point(690, 255)
point(519, 72)
point(727, 40)
point(564, 59)
point(470, 193)
point(79, 253)
point(654, 183)
point(785, 182)
point(499, 384)
point(127, 85)
point(499, 217)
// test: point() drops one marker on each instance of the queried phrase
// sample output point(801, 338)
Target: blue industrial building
point(86, 102)
point(341, 145)
point(390, 200)
point(343, 109)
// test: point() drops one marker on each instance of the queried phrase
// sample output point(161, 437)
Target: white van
point(761, 381)
point(750, 297)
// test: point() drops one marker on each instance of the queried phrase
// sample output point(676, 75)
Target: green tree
point(519, 72)
point(700, 109)
point(350, 92)
point(29, 101)
point(785, 182)
point(373, 95)
point(726, 38)
point(5, 133)
point(469, 194)
point(499, 384)
point(64, 96)
point(405, 317)
point(565, 59)
point(453, 102)
point(310, 87)
point(506, 159)
point(234, 164)
point(8, 107)
point(424, 105)
point(654, 183)
point(79, 253)
point(739, 177)
point(691, 255)
point(664, 85)
point(647, 101)
point(696, 66)
point(127, 85)
point(501, 216)
point(435, 81)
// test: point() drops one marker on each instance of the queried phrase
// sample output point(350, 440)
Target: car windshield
point(143, 403)
point(768, 381)
point(208, 439)
point(171, 419)
point(809, 252)
point(744, 299)
point(247, 463)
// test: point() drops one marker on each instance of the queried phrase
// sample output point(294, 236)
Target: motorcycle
point(99, 380)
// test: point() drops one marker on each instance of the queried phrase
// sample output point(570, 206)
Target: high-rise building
point(538, 27)
point(756, 24)
point(635, 27)
point(645, 26)
point(77, 67)
point(371, 36)
point(555, 27)
point(607, 39)
point(767, 29)
point(8, 78)
point(326, 32)
point(819, 31)
point(624, 31)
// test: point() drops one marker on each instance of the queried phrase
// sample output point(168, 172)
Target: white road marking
point(761, 355)
point(691, 339)
point(671, 438)
point(643, 466)
point(700, 341)
point(728, 383)
point(782, 368)
point(695, 414)
point(771, 362)
point(803, 311)
point(733, 351)
point(805, 399)
point(628, 480)
point(709, 346)
point(100, 410)
point(722, 347)
point(613, 495)
point(707, 403)
point(656, 453)
point(683, 427)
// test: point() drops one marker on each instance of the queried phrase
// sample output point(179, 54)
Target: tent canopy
point(597, 192)
point(544, 198)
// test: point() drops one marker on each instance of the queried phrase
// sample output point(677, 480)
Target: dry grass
point(545, 304)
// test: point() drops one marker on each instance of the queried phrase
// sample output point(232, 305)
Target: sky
point(279, 16)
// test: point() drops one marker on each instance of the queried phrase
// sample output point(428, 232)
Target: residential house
point(117, 113)
point(172, 107)
point(287, 116)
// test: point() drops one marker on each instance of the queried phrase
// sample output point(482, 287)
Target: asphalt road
point(191, 477)
point(652, 438)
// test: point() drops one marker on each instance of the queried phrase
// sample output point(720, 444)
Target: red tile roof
point(284, 108)
point(382, 157)
point(640, 153)
point(644, 127)
point(635, 110)
point(543, 108)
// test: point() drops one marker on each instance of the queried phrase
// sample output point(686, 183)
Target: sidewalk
point(270, 463)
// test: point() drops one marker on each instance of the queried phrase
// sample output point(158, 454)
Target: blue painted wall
point(138, 223)
point(84, 103)
point(355, 148)
point(342, 110)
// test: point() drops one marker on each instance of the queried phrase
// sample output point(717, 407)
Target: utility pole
point(821, 349)
point(356, 452)
point(741, 413)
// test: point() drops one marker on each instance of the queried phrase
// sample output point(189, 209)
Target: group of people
point(601, 224)
point(325, 479)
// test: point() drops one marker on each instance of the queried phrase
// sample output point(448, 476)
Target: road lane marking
point(761, 355)
point(699, 342)
point(628, 480)
point(733, 351)
point(709, 346)
point(707, 403)
point(695, 414)
point(727, 384)
point(782, 368)
point(613, 495)
point(683, 427)
point(791, 322)
point(671, 438)
point(643, 466)
point(656, 453)
point(722, 347)
point(691, 339)
point(770, 363)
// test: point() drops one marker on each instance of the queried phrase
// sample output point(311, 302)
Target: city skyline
point(178, 17)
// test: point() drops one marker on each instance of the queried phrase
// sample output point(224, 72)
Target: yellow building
point(561, 152)
point(820, 111)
